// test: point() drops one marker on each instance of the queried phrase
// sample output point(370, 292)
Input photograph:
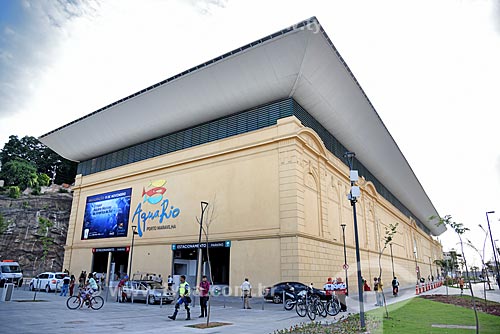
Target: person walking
point(65, 286)
point(246, 287)
point(183, 298)
point(170, 282)
point(340, 292)
point(72, 285)
point(204, 295)
point(378, 288)
point(82, 278)
point(122, 296)
point(395, 286)
point(461, 283)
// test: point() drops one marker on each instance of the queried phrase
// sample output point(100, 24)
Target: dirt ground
point(466, 301)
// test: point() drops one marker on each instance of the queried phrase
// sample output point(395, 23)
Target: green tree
point(20, 173)
point(43, 180)
point(44, 229)
point(43, 158)
point(460, 230)
point(390, 231)
point(3, 224)
point(14, 192)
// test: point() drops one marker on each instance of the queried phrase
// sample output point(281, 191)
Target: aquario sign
point(155, 211)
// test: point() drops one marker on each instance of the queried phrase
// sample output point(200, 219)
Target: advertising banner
point(107, 215)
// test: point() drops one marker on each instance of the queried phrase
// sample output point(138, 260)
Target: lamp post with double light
point(345, 260)
point(134, 232)
point(353, 196)
point(494, 249)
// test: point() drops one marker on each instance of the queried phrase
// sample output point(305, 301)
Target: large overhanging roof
point(299, 62)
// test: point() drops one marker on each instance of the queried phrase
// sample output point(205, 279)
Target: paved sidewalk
point(51, 315)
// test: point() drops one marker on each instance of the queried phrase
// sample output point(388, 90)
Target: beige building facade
point(276, 194)
point(276, 191)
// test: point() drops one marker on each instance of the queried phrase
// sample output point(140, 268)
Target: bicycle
point(94, 302)
point(316, 307)
point(332, 306)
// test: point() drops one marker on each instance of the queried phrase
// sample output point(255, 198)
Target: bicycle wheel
point(333, 307)
point(96, 302)
point(301, 308)
point(311, 311)
point(73, 302)
point(320, 308)
point(289, 303)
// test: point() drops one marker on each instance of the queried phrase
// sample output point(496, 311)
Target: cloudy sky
point(430, 68)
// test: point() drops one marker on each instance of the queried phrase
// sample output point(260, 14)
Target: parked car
point(10, 272)
point(275, 292)
point(151, 291)
point(48, 281)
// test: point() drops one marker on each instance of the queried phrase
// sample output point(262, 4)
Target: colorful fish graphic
point(154, 195)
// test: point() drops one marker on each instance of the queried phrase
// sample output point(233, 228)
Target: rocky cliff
point(36, 226)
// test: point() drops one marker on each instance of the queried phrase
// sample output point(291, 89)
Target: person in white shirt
point(246, 287)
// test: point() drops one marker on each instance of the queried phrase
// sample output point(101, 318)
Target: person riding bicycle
point(89, 289)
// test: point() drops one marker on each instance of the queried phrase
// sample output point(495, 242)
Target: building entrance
point(112, 261)
point(185, 257)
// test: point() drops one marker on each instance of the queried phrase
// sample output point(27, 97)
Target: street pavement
point(50, 314)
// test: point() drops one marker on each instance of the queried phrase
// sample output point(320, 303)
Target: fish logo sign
point(155, 192)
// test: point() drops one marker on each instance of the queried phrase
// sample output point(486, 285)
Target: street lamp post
point(352, 197)
point(392, 261)
point(494, 250)
point(204, 206)
point(134, 232)
point(417, 269)
point(430, 267)
point(345, 261)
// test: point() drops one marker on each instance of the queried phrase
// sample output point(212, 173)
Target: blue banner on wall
point(107, 215)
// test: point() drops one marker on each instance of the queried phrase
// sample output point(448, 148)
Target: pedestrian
point(122, 296)
point(395, 286)
point(340, 292)
point(366, 287)
point(170, 282)
point(246, 287)
point(159, 279)
point(329, 288)
point(65, 286)
point(72, 285)
point(204, 295)
point(461, 283)
point(378, 288)
point(183, 298)
point(82, 278)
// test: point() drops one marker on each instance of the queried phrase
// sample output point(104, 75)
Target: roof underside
point(299, 62)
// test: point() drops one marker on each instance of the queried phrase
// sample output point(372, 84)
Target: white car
point(151, 291)
point(48, 281)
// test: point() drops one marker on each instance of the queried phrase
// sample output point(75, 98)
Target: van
point(10, 272)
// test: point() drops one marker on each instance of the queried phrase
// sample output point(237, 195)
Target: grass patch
point(210, 325)
point(417, 315)
point(412, 316)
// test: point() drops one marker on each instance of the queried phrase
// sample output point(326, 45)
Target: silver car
point(151, 291)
